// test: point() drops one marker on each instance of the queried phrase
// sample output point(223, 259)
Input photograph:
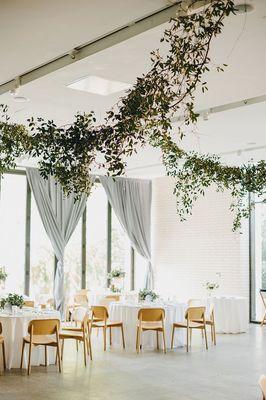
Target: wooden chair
point(150, 319)
point(263, 298)
point(79, 334)
point(109, 299)
point(192, 314)
point(262, 383)
point(2, 342)
point(29, 303)
point(42, 332)
point(100, 319)
point(209, 321)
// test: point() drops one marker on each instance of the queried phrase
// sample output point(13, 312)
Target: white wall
point(187, 254)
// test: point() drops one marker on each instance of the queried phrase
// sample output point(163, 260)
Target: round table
point(127, 313)
point(15, 327)
point(231, 313)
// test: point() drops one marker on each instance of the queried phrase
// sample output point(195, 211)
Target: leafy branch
point(143, 116)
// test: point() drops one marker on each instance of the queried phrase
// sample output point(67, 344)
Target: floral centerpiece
point(12, 299)
point(211, 287)
point(3, 276)
point(116, 276)
point(147, 295)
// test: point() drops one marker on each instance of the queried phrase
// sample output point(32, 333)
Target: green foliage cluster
point(12, 299)
point(143, 116)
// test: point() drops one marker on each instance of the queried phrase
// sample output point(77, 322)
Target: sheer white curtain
point(131, 201)
point(60, 215)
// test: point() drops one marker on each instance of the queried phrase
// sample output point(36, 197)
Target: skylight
point(95, 84)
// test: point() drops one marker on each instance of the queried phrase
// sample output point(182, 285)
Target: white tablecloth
point(128, 314)
point(231, 313)
point(14, 328)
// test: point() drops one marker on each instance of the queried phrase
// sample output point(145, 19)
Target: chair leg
point(4, 355)
point(172, 340)
point(89, 347)
point(164, 343)
point(45, 354)
point(110, 332)
point(214, 334)
point(138, 341)
point(123, 336)
point(187, 338)
point(58, 356)
point(29, 359)
point(190, 336)
point(77, 345)
point(157, 339)
point(206, 340)
point(104, 339)
point(22, 354)
point(85, 352)
point(62, 348)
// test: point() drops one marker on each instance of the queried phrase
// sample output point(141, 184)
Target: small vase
point(8, 308)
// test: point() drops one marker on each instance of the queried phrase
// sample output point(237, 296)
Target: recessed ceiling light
point(20, 99)
point(15, 96)
point(96, 85)
point(244, 8)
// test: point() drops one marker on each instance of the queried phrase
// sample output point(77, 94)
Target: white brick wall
point(187, 254)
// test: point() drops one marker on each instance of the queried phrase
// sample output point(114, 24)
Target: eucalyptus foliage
point(143, 116)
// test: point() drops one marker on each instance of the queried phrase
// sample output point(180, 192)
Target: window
point(12, 230)
point(96, 252)
point(14, 241)
point(41, 259)
point(121, 250)
point(141, 266)
point(72, 263)
point(258, 259)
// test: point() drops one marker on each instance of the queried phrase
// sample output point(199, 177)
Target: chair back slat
point(44, 326)
point(29, 303)
point(196, 303)
point(151, 314)
point(99, 313)
point(195, 313)
point(81, 299)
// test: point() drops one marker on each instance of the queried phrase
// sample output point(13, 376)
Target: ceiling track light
point(15, 92)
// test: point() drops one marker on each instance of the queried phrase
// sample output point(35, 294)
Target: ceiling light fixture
point(14, 92)
point(243, 8)
point(97, 85)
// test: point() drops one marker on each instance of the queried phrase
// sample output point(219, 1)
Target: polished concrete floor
point(228, 371)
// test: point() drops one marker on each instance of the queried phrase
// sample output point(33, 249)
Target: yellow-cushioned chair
point(109, 299)
point(100, 319)
point(209, 321)
point(29, 303)
point(263, 298)
point(262, 383)
point(79, 334)
point(150, 319)
point(42, 332)
point(192, 314)
point(2, 342)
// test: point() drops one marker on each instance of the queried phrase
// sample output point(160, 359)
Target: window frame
point(27, 266)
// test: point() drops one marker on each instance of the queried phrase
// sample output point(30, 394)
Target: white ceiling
point(37, 31)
